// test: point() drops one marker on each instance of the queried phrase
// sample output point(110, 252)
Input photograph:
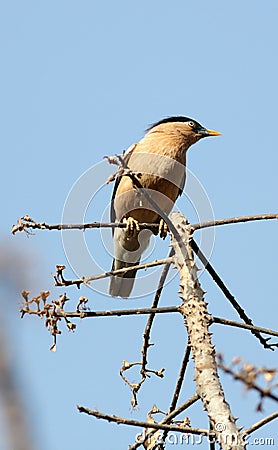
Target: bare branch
point(61, 281)
point(26, 224)
point(108, 313)
point(261, 423)
point(226, 292)
point(139, 423)
point(167, 419)
point(181, 408)
point(179, 383)
point(228, 221)
point(146, 334)
point(54, 312)
point(136, 386)
point(125, 312)
point(232, 323)
point(180, 377)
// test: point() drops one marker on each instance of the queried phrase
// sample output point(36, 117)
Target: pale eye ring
point(191, 124)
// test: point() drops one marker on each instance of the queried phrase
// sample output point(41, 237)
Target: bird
point(159, 160)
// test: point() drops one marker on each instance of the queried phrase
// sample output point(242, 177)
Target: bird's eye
point(191, 124)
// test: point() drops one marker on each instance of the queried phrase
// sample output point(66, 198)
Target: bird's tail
point(121, 285)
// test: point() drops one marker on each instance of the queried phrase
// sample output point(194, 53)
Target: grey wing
point(126, 158)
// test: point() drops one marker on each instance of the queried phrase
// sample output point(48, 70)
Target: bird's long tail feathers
point(121, 286)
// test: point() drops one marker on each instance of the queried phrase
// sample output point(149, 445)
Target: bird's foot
point(132, 227)
point(163, 229)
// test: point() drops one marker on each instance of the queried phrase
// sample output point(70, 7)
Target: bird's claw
point(163, 229)
point(132, 227)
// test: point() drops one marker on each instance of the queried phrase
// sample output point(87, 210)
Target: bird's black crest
point(174, 119)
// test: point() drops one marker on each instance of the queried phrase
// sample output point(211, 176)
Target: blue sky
point(81, 80)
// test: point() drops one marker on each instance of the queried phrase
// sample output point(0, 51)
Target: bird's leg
point(162, 229)
point(132, 227)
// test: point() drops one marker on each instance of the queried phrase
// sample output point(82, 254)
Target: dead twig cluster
point(253, 377)
point(52, 312)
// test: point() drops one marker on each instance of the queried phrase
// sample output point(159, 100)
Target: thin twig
point(214, 223)
point(146, 335)
point(227, 293)
point(139, 423)
point(181, 408)
point(179, 383)
point(180, 377)
point(261, 423)
point(168, 419)
point(26, 223)
point(109, 313)
point(61, 281)
point(144, 311)
point(211, 442)
point(245, 326)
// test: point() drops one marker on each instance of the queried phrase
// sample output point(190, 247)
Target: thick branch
point(197, 320)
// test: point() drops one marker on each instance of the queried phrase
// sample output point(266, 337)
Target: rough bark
point(197, 318)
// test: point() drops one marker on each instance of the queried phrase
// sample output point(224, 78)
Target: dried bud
point(126, 365)
point(186, 422)
point(71, 326)
point(237, 360)
point(25, 295)
point(269, 374)
point(44, 295)
point(160, 373)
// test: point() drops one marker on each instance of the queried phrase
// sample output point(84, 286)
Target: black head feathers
point(175, 119)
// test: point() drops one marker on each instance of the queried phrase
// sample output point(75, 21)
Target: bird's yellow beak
point(213, 133)
point(204, 132)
